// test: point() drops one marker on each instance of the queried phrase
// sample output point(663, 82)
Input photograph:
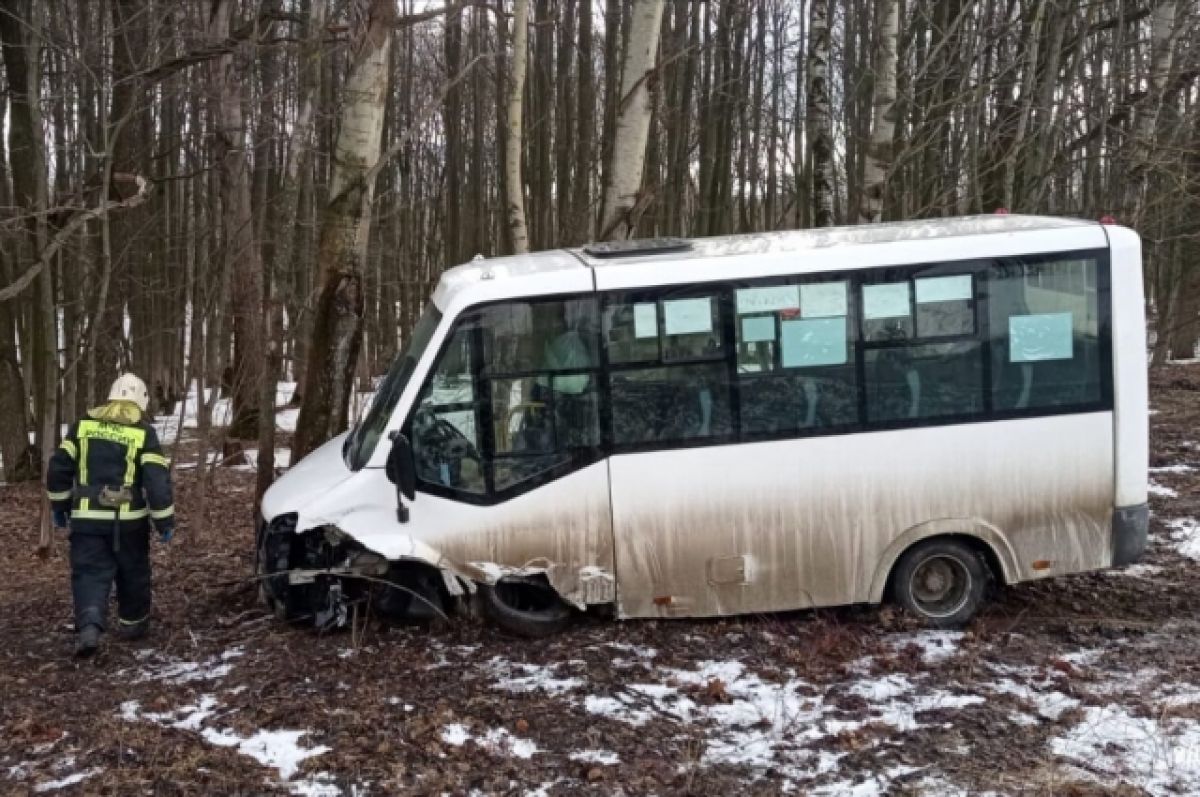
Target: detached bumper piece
point(1130, 530)
point(320, 575)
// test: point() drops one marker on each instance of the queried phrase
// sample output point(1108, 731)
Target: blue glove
point(61, 518)
point(166, 529)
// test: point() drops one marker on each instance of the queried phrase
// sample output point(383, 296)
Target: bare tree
point(621, 209)
point(345, 224)
point(514, 184)
point(883, 120)
point(820, 123)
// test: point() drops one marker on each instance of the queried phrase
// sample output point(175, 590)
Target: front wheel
point(525, 607)
point(943, 582)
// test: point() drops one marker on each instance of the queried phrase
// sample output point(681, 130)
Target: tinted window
point(678, 391)
point(513, 399)
point(539, 336)
point(795, 357)
point(945, 306)
point(924, 381)
point(1044, 317)
point(676, 404)
point(906, 374)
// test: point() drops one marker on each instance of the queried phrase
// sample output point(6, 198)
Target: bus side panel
point(1130, 392)
point(790, 524)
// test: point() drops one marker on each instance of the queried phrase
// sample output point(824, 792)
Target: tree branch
point(60, 238)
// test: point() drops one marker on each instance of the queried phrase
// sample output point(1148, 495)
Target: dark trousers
point(94, 567)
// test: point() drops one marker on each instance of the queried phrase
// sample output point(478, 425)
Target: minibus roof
point(823, 237)
point(571, 270)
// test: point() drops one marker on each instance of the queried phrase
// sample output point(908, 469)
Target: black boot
point(131, 632)
point(87, 642)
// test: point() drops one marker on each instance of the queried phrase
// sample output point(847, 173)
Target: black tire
point(943, 582)
point(531, 609)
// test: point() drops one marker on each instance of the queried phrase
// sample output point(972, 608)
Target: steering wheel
point(438, 434)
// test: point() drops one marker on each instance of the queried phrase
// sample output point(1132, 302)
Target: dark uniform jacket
point(110, 465)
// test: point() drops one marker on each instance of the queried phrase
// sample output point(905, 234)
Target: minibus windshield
point(361, 442)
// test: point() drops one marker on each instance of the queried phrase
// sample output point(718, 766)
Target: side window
point(921, 356)
point(541, 363)
point(513, 398)
point(795, 358)
point(1044, 321)
point(669, 378)
point(445, 425)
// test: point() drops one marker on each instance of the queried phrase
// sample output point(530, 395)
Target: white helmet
point(129, 388)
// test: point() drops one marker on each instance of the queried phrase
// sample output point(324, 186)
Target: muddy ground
point(1083, 685)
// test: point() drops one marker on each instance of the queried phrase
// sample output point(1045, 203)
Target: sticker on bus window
point(758, 328)
point(889, 300)
point(944, 289)
point(824, 300)
point(645, 320)
point(767, 300)
point(1035, 338)
point(809, 342)
point(687, 316)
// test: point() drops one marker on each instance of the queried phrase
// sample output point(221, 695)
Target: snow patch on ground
point(1050, 705)
point(69, 780)
point(497, 741)
point(520, 677)
point(1161, 756)
point(1173, 469)
point(936, 646)
point(280, 749)
point(283, 459)
point(1185, 535)
point(757, 723)
point(1159, 490)
point(1141, 570)
point(604, 757)
point(177, 671)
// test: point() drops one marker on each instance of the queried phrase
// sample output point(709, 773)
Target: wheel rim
point(940, 585)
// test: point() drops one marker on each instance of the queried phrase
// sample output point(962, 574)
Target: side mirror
point(401, 467)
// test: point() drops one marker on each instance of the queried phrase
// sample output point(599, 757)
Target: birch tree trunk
point(820, 122)
point(514, 185)
point(344, 230)
point(620, 210)
point(883, 121)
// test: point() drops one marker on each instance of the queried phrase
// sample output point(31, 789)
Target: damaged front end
point(321, 575)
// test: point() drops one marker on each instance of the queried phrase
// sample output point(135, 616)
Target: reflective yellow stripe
point(159, 514)
point(83, 471)
point(107, 514)
point(123, 621)
point(129, 436)
point(155, 459)
point(62, 496)
point(69, 447)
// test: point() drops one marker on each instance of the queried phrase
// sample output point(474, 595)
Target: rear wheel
point(941, 581)
point(525, 607)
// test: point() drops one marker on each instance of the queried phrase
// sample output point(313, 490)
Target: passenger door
point(507, 440)
point(708, 501)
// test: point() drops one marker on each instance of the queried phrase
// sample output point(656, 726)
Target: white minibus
point(909, 412)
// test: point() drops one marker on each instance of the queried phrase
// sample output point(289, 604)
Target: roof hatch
point(637, 246)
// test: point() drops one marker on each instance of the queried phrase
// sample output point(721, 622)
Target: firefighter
point(108, 480)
